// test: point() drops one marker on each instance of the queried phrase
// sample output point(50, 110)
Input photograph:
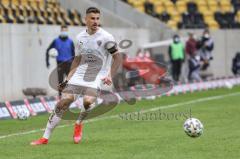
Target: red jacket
point(191, 46)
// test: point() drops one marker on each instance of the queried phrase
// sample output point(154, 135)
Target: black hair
point(64, 27)
point(92, 10)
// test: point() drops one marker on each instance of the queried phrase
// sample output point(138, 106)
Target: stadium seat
point(238, 16)
point(159, 8)
point(181, 6)
point(74, 17)
point(194, 13)
point(37, 11)
point(65, 17)
point(172, 24)
point(175, 16)
point(2, 19)
point(49, 17)
point(5, 3)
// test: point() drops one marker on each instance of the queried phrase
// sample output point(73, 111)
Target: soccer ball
point(53, 53)
point(23, 114)
point(193, 127)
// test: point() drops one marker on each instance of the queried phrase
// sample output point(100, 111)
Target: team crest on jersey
point(99, 43)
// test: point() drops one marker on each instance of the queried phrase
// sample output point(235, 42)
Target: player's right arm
point(75, 64)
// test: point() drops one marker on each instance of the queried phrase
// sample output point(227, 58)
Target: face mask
point(197, 58)
point(176, 40)
point(206, 36)
point(195, 37)
point(64, 34)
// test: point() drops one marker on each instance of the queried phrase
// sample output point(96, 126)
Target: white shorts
point(97, 84)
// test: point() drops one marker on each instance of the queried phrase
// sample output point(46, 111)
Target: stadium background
point(23, 44)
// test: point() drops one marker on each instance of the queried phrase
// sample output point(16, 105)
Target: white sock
point(51, 124)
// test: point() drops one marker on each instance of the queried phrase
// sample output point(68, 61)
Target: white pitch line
point(144, 111)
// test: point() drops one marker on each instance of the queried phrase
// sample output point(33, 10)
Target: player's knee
point(88, 101)
point(63, 105)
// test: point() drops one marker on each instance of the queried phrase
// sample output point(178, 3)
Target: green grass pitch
point(218, 110)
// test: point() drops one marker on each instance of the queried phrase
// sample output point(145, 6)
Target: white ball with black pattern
point(23, 114)
point(193, 127)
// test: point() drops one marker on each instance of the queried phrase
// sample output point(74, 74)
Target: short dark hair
point(64, 26)
point(92, 10)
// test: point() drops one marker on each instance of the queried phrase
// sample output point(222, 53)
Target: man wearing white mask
point(206, 46)
point(176, 53)
point(65, 53)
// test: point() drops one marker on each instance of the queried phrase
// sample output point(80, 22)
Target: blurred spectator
point(177, 55)
point(165, 17)
point(236, 64)
point(206, 46)
point(194, 65)
point(66, 52)
point(149, 8)
point(191, 45)
point(174, 1)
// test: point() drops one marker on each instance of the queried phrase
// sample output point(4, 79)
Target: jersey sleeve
point(78, 48)
point(110, 44)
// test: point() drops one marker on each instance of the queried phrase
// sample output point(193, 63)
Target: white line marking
point(145, 111)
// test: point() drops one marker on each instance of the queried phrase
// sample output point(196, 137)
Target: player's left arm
point(117, 61)
point(111, 47)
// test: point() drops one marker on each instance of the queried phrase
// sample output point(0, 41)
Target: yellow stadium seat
point(203, 8)
point(212, 3)
point(226, 8)
point(140, 8)
point(168, 4)
point(207, 13)
point(131, 1)
point(214, 8)
point(201, 3)
point(10, 15)
point(237, 17)
point(181, 3)
point(212, 24)
point(5, 3)
point(157, 3)
point(138, 3)
point(176, 17)
point(15, 2)
point(171, 9)
point(159, 9)
point(172, 24)
point(225, 2)
point(182, 9)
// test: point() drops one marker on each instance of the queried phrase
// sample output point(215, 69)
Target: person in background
point(194, 65)
point(66, 52)
point(176, 53)
point(236, 64)
point(191, 45)
point(206, 46)
point(149, 8)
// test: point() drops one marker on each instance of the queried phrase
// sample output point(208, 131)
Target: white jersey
point(96, 60)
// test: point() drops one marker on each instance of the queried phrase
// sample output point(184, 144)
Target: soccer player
point(96, 62)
